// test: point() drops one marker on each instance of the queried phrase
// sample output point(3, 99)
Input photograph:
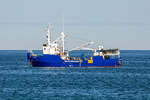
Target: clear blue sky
point(123, 24)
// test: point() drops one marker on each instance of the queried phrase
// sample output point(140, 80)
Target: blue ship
point(55, 55)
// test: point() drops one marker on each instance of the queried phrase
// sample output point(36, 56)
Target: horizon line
point(41, 49)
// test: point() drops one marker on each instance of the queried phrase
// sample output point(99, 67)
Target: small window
point(44, 45)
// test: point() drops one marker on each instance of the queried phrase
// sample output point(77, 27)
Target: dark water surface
point(19, 81)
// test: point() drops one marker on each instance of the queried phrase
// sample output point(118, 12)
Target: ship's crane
point(84, 46)
point(59, 38)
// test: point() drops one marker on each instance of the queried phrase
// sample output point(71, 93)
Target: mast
point(63, 35)
point(48, 35)
point(63, 42)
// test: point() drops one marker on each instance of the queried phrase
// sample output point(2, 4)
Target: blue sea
point(20, 81)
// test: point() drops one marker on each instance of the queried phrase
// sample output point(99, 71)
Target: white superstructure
point(99, 53)
point(50, 47)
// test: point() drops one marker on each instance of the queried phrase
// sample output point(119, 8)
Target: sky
point(123, 24)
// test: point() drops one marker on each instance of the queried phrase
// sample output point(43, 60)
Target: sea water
point(20, 81)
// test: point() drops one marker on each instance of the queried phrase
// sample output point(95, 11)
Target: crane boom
point(83, 46)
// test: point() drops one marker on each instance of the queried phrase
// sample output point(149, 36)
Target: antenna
point(63, 22)
point(48, 35)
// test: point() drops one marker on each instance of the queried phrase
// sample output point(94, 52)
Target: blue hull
point(56, 61)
